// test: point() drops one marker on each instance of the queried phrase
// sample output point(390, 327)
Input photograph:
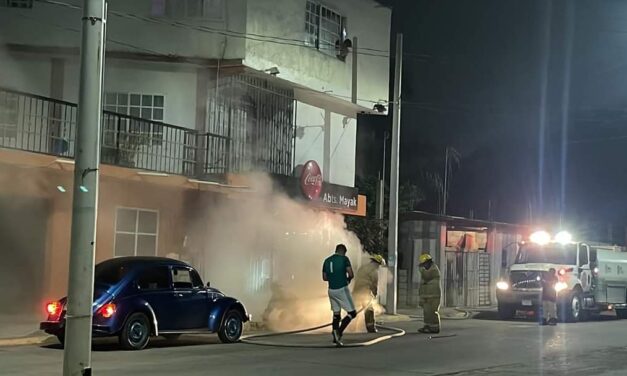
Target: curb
point(24, 341)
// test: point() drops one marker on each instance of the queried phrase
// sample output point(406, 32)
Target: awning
point(315, 98)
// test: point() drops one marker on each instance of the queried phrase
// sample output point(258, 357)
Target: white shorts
point(341, 299)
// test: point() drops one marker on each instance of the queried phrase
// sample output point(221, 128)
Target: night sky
point(472, 80)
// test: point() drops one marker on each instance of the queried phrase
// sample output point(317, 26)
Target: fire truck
point(591, 278)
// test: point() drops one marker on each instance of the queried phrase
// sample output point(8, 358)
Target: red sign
point(311, 180)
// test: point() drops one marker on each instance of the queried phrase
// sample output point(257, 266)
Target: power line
point(366, 51)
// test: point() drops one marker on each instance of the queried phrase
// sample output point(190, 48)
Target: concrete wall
point(310, 67)
point(58, 26)
point(329, 139)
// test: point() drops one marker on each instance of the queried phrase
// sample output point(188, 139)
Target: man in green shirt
point(338, 272)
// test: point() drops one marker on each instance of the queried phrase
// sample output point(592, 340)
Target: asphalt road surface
point(478, 347)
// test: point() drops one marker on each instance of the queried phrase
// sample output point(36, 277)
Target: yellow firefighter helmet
point(424, 258)
point(378, 259)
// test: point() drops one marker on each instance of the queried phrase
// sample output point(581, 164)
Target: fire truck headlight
point(563, 237)
point(559, 286)
point(502, 285)
point(540, 237)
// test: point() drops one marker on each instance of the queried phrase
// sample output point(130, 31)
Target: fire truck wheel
point(573, 308)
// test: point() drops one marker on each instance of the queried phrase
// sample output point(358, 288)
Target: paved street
point(480, 347)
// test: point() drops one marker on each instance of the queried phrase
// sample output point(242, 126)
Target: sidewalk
point(21, 330)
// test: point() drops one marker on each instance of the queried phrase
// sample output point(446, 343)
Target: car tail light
point(54, 310)
point(107, 310)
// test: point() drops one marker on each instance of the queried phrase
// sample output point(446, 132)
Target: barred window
point(324, 27)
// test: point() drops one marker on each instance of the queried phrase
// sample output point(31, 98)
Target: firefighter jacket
point(367, 278)
point(430, 282)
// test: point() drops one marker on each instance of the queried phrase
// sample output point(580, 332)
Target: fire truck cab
point(591, 279)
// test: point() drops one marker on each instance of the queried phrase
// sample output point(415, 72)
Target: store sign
point(311, 180)
point(324, 194)
point(339, 197)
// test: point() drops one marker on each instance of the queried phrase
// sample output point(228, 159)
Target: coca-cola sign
point(311, 180)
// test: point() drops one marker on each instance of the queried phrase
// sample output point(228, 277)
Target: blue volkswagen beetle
point(139, 297)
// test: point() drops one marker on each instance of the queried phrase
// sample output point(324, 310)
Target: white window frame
point(156, 131)
point(316, 25)
point(136, 233)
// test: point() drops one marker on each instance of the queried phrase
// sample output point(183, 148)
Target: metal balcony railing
point(44, 125)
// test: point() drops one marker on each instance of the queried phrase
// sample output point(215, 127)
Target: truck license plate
point(526, 302)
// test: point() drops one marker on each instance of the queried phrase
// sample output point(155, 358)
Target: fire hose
point(396, 332)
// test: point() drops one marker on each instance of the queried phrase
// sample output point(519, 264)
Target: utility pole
point(354, 73)
point(391, 295)
point(77, 353)
point(446, 173)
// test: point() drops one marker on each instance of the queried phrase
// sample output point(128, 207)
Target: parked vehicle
point(591, 279)
point(139, 297)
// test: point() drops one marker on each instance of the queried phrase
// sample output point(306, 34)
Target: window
point(200, 9)
point(109, 274)
point(181, 278)
point(23, 4)
point(583, 255)
point(196, 280)
point(154, 278)
point(323, 27)
point(136, 232)
point(144, 106)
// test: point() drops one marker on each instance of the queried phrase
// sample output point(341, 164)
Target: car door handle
point(178, 294)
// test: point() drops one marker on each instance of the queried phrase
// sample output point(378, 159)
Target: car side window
point(196, 280)
point(154, 278)
point(182, 278)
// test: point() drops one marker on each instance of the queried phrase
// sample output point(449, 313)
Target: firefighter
point(366, 288)
point(549, 298)
point(429, 293)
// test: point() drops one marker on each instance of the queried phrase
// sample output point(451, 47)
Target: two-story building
point(197, 94)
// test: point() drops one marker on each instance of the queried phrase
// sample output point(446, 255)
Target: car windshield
point(547, 254)
point(110, 273)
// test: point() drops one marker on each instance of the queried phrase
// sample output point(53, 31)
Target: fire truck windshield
point(552, 253)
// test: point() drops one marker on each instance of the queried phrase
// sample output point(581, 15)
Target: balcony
point(43, 125)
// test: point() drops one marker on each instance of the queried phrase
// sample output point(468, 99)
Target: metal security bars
point(44, 125)
point(257, 117)
point(37, 124)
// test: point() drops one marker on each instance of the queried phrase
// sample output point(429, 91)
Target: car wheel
point(136, 332)
point(232, 327)
point(506, 311)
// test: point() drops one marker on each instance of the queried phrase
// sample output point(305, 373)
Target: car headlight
point(559, 286)
point(502, 285)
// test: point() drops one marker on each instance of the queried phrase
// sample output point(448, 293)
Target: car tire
point(232, 327)
point(506, 311)
point(621, 314)
point(136, 332)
